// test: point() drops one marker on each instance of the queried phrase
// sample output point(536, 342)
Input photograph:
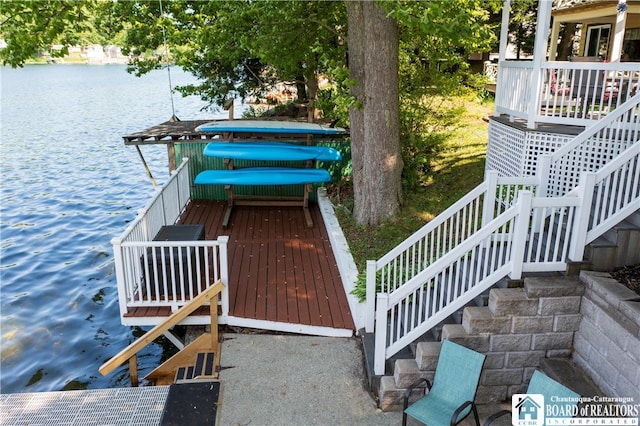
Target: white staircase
point(583, 194)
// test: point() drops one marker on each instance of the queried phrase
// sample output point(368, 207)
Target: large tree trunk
point(355, 43)
point(375, 132)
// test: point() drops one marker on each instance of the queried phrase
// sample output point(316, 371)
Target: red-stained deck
point(279, 269)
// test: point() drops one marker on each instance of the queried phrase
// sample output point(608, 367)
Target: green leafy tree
point(399, 54)
point(427, 45)
point(30, 27)
point(522, 26)
point(239, 48)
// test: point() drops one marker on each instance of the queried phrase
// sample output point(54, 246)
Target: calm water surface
point(69, 185)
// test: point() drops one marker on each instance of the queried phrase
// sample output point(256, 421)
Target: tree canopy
point(243, 48)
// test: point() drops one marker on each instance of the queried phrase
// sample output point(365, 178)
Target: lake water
point(69, 185)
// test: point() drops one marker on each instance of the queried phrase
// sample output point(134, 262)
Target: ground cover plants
point(456, 166)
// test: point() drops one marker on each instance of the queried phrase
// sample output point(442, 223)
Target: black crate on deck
point(181, 256)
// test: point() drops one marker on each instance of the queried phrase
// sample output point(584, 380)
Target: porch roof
point(572, 6)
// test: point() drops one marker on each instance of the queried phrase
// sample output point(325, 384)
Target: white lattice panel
point(537, 144)
point(505, 150)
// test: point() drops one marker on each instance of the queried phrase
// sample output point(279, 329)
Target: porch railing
point(591, 150)
point(522, 230)
point(573, 93)
point(166, 273)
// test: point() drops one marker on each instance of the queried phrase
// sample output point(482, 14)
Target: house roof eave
point(591, 7)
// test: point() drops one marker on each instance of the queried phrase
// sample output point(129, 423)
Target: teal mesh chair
point(450, 398)
point(543, 385)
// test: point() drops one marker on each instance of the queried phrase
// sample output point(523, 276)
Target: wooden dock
point(279, 269)
point(282, 274)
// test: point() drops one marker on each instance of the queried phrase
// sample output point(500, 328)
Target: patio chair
point(543, 385)
point(450, 398)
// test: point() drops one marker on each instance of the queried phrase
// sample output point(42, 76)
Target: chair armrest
point(407, 393)
point(494, 416)
point(454, 416)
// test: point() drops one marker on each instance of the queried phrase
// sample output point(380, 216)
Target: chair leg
point(456, 414)
point(405, 404)
point(475, 414)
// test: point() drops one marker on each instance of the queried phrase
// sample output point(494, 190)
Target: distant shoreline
point(78, 61)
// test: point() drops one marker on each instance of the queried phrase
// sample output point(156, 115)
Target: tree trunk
point(301, 89)
point(355, 60)
point(312, 95)
point(565, 47)
point(377, 162)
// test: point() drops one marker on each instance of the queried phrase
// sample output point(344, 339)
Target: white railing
point(513, 91)
point(573, 93)
point(440, 235)
point(436, 292)
point(416, 292)
point(166, 273)
point(610, 195)
point(491, 71)
point(592, 149)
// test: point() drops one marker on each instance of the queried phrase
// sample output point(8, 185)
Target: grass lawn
point(456, 169)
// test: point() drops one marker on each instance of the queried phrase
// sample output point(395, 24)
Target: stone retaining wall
point(607, 344)
point(521, 326)
point(592, 319)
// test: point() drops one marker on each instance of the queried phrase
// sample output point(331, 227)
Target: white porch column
point(502, 53)
point(539, 56)
point(504, 30)
point(555, 35)
point(618, 31)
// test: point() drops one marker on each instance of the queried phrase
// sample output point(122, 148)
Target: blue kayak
point(263, 126)
point(270, 151)
point(262, 176)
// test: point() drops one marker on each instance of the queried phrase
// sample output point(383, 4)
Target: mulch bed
point(629, 276)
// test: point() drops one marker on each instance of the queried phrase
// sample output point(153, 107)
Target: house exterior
point(608, 29)
point(558, 128)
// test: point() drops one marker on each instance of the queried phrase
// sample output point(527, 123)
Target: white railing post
point(223, 241)
point(520, 233)
point(185, 192)
point(504, 40)
point(539, 56)
point(583, 213)
point(370, 283)
point(121, 283)
point(543, 174)
point(380, 344)
point(489, 203)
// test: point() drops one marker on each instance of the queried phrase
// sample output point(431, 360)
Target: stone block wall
point(519, 328)
point(516, 331)
point(607, 344)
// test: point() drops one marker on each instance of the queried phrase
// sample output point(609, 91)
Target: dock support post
point(133, 370)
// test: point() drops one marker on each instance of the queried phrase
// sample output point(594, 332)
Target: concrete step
point(620, 246)
point(565, 371)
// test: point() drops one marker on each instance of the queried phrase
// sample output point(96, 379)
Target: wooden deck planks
point(279, 269)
